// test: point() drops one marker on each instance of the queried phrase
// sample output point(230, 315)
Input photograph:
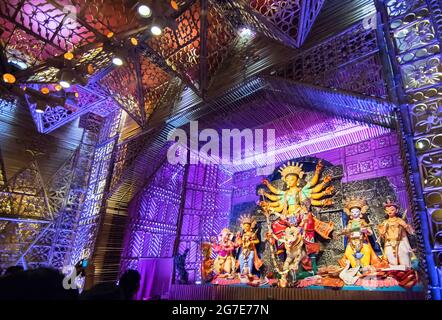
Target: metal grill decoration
point(154, 216)
point(288, 21)
point(186, 50)
point(43, 236)
point(137, 87)
point(54, 117)
point(23, 197)
point(413, 29)
point(89, 219)
point(206, 211)
point(349, 61)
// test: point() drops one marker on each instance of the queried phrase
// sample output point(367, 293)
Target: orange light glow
point(174, 5)
point(68, 56)
point(134, 41)
point(9, 78)
point(44, 90)
point(90, 69)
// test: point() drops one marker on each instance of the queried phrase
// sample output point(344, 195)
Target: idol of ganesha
point(224, 264)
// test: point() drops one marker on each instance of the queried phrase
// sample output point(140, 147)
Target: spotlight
point(65, 84)
point(120, 55)
point(44, 90)
point(245, 32)
point(174, 5)
point(90, 69)
point(21, 65)
point(68, 56)
point(144, 11)
point(117, 61)
point(110, 34)
point(40, 107)
point(66, 79)
point(134, 41)
point(9, 78)
point(156, 30)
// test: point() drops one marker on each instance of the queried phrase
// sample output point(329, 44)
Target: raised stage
point(209, 292)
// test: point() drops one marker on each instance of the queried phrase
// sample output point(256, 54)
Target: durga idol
point(289, 202)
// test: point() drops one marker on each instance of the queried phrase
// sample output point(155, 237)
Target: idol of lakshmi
point(394, 231)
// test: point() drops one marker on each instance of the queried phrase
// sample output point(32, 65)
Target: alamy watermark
point(228, 147)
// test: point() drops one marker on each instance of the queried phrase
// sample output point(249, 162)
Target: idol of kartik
point(224, 264)
point(358, 252)
point(393, 231)
point(288, 202)
point(247, 241)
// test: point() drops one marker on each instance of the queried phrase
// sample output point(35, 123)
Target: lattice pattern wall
point(73, 190)
point(152, 228)
point(206, 211)
point(183, 48)
point(90, 215)
point(348, 61)
point(413, 29)
point(288, 21)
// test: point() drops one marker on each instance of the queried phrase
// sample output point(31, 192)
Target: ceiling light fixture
point(120, 55)
point(40, 107)
point(117, 61)
point(155, 30)
point(45, 90)
point(66, 79)
point(144, 10)
point(134, 41)
point(68, 56)
point(9, 78)
point(174, 5)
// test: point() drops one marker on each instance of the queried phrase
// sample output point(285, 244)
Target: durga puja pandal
point(286, 241)
point(221, 149)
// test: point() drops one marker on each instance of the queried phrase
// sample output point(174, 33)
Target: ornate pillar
point(413, 32)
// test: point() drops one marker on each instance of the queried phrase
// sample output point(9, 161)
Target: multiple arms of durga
point(288, 202)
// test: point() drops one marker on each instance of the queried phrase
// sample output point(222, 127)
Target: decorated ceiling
point(59, 55)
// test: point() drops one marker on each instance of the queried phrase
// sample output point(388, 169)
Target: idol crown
point(355, 202)
point(390, 202)
point(291, 168)
point(247, 219)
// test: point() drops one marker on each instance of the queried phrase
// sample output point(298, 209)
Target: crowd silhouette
point(47, 284)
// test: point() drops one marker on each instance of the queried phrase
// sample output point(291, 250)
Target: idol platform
point(202, 292)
